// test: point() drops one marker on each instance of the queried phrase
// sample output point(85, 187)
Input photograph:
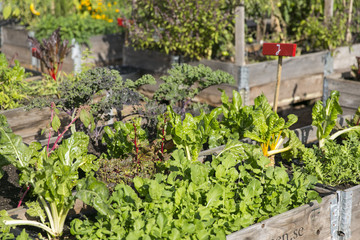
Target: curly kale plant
point(183, 82)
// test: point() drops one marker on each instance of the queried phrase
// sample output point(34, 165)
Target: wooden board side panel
point(105, 49)
point(29, 124)
point(291, 91)
point(355, 213)
point(302, 223)
point(344, 57)
point(349, 92)
point(297, 67)
point(17, 36)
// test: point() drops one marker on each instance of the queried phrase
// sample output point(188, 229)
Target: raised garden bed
point(105, 49)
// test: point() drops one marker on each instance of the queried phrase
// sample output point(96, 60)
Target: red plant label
point(279, 49)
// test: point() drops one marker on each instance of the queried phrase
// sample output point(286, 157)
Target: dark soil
point(9, 188)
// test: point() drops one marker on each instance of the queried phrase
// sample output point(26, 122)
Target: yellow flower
point(32, 9)
point(117, 10)
point(98, 16)
point(99, 3)
point(109, 4)
point(110, 20)
point(103, 16)
point(89, 8)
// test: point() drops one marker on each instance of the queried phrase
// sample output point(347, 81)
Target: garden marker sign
point(279, 49)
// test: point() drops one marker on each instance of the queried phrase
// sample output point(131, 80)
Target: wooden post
point(280, 50)
point(348, 32)
point(242, 73)
point(328, 10)
point(278, 78)
point(240, 35)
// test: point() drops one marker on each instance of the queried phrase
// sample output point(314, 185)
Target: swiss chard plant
point(333, 162)
point(236, 118)
point(51, 172)
point(194, 200)
point(271, 131)
point(325, 119)
point(51, 52)
point(192, 133)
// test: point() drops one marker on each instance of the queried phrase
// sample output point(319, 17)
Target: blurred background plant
point(78, 19)
point(193, 28)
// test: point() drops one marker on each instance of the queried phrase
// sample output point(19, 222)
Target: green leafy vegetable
point(197, 201)
point(270, 130)
point(53, 174)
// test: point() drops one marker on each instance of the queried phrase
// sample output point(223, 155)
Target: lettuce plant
point(52, 174)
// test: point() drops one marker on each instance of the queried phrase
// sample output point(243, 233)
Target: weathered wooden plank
point(344, 57)
point(349, 100)
point(349, 91)
point(105, 49)
point(297, 67)
point(355, 213)
point(145, 59)
point(22, 54)
point(343, 86)
point(311, 221)
point(15, 35)
point(29, 124)
point(291, 91)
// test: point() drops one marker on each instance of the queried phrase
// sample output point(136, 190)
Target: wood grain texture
point(311, 221)
point(349, 92)
point(355, 213)
point(29, 124)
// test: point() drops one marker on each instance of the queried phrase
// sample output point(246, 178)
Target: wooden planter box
point(349, 92)
point(336, 217)
point(105, 49)
point(302, 76)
